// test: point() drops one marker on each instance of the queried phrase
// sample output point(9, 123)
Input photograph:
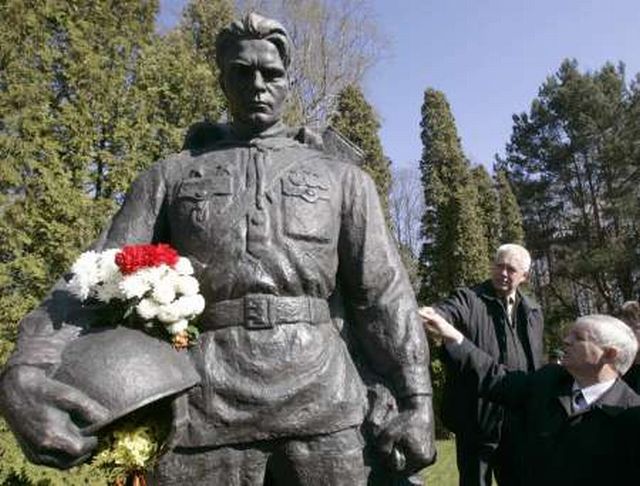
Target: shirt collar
point(489, 291)
point(593, 392)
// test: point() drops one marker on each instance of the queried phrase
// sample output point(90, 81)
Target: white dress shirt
point(590, 393)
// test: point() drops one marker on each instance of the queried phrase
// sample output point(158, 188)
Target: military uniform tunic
point(271, 226)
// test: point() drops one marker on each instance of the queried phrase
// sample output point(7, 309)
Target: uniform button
point(310, 192)
point(257, 219)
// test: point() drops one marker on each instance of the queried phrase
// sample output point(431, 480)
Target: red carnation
point(134, 257)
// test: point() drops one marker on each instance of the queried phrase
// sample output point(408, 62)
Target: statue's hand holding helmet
point(48, 417)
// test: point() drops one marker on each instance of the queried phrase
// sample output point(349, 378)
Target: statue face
point(256, 83)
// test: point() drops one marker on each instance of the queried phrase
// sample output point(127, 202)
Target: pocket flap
point(205, 187)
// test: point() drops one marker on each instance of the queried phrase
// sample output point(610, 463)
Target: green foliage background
point(455, 249)
point(573, 161)
point(355, 118)
point(15, 470)
point(90, 96)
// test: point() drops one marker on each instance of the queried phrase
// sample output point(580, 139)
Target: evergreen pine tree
point(489, 208)
point(510, 222)
point(201, 22)
point(572, 163)
point(454, 252)
point(89, 95)
point(356, 120)
point(65, 89)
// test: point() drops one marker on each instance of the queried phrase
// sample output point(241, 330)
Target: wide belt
point(262, 311)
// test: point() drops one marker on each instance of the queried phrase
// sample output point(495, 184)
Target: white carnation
point(134, 286)
point(85, 275)
point(187, 285)
point(183, 266)
point(164, 290)
point(86, 264)
point(108, 271)
point(108, 291)
point(79, 287)
point(169, 313)
point(147, 309)
point(177, 327)
point(154, 274)
point(191, 305)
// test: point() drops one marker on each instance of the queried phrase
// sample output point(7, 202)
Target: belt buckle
point(256, 312)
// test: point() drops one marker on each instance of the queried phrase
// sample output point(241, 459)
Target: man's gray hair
point(254, 26)
point(610, 332)
point(519, 252)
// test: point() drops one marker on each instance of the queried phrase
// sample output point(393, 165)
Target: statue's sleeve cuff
point(414, 381)
point(42, 351)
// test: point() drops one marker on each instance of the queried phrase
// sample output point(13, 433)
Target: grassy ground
point(444, 471)
point(16, 471)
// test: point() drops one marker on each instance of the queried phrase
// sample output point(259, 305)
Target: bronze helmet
point(124, 370)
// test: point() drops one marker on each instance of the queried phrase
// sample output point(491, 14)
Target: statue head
point(253, 55)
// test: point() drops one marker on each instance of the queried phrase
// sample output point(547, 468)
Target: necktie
point(508, 305)
point(578, 401)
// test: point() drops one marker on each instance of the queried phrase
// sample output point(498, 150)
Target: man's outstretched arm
point(494, 381)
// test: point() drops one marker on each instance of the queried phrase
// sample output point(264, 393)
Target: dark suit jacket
point(632, 378)
point(478, 313)
point(598, 446)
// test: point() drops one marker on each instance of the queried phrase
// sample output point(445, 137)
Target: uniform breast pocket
point(308, 214)
point(200, 199)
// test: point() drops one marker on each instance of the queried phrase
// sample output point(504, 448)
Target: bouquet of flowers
point(150, 286)
point(132, 445)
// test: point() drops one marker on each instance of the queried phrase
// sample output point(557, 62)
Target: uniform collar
point(279, 130)
point(274, 138)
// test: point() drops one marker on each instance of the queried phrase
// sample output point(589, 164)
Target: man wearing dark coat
point(497, 318)
point(273, 228)
point(582, 421)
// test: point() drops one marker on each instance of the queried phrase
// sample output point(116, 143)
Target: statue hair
point(254, 26)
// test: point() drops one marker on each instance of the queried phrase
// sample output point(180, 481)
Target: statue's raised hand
point(407, 440)
point(47, 416)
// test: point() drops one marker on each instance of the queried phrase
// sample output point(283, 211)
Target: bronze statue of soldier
point(273, 228)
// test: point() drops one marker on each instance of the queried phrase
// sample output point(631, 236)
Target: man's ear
point(609, 354)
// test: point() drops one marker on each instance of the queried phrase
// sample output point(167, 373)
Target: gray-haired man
point(581, 420)
point(497, 318)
